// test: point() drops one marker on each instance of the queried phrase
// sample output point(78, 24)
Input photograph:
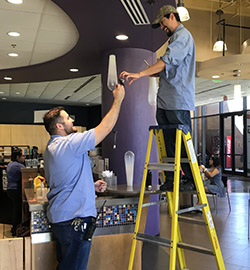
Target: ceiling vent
point(136, 12)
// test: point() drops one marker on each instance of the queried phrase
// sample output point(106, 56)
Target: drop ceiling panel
point(78, 82)
point(97, 101)
point(41, 57)
point(92, 96)
point(14, 61)
point(19, 86)
point(81, 94)
point(52, 9)
point(56, 22)
point(27, 6)
point(53, 89)
point(36, 89)
point(5, 88)
point(21, 19)
point(56, 49)
point(27, 34)
point(57, 37)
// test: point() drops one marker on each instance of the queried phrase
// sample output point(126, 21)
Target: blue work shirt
point(69, 174)
point(14, 175)
point(177, 80)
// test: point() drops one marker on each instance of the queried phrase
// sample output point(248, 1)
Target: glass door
point(238, 143)
point(233, 143)
point(227, 147)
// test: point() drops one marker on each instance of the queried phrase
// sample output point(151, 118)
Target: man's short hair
point(51, 118)
point(16, 152)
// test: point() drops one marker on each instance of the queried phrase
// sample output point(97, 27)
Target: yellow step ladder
point(176, 245)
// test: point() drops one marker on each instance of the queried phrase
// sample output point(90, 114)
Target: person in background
point(176, 94)
point(14, 187)
point(214, 175)
point(71, 198)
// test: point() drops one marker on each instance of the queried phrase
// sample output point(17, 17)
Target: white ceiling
point(82, 91)
point(42, 39)
point(46, 33)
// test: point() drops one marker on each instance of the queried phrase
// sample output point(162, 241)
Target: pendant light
point(237, 92)
point(182, 11)
point(218, 45)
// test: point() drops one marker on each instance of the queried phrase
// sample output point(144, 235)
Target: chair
point(224, 180)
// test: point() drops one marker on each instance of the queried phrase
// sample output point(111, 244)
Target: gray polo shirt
point(177, 80)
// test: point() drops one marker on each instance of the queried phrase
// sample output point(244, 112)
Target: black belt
point(69, 222)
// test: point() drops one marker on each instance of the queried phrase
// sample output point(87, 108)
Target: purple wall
point(135, 117)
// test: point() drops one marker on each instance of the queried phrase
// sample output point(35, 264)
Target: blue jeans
point(177, 117)
point(72, 251)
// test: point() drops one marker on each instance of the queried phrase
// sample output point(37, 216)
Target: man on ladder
point(176, 94)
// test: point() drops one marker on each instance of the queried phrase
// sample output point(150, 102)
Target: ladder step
point(190, 209)
point(171, 159)
point(154, 203)
point(167, 243)
point(161, 166)
point(196, 248)
point(192, 220)
point(153, 239)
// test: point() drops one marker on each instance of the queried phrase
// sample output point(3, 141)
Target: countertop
point(111, 194)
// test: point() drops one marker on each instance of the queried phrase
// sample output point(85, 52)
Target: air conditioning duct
point(136, 12)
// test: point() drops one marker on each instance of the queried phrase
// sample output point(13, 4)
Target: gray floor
point(231, 228)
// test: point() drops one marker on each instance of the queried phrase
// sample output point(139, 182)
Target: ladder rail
point(203, 199)
point(176, 245)
point(138, 217)
point(162, 153)
point(174, 225)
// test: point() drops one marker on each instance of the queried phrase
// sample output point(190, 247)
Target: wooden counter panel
point(44, 256)
point(11, 254)
point(27, 253)
point(108, 252)
point(112, 252)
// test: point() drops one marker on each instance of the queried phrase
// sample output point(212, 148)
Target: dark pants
point(72, 251)
point(167, 117)
point(16, 206)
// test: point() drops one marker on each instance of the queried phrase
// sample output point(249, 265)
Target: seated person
point(214, 175)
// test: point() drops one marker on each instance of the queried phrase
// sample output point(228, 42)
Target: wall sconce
point(183, 12)
point(220, 45)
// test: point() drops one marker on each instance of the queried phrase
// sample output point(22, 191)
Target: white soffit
point(46, 33)
point(224, 66)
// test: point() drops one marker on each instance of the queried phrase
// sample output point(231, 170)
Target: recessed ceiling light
point(12, 54)
point(1, 92)
point(14, 34)
point(4, 98)
point(216, 76)
point(121, 37)
point(7, 78)
point(87, 104)
point(74, 70)
point(16, 2)
point(17, 93)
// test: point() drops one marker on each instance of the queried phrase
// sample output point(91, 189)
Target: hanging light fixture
point(183, 12)
point(237, 92)
point(218, 45)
